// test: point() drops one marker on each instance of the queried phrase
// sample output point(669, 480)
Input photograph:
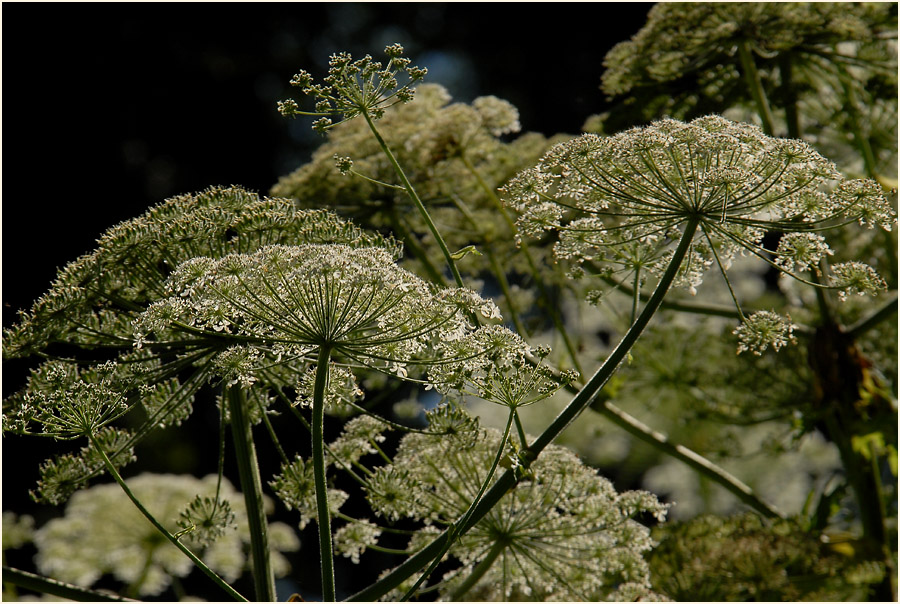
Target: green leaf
point(469, 249)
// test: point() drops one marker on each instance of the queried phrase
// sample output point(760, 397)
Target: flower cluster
point(619, 203)
point(563, 533)
point(693, 37)
point(507, 374)
point(93, 300)
point(111, 536)
point(288, 302)
point(353, 88)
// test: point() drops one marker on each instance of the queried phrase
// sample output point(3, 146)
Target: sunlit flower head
point(563, 533)
point(619, 204)
point(290, 301)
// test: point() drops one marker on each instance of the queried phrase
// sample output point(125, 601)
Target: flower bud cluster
point(355, 87)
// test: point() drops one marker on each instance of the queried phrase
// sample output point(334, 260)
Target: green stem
point(755, 87)
point(326, 553)
point(57, 588)
point(789, 95)
point(888, 309)
point(479, 570)
point(699, 463)
point(584, 398)
point(197, 561)
point(594, 385)
point(409, 239)
point(523, 439)
point(415, 198)
point(251, 485)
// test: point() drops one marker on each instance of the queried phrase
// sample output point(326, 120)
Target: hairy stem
point(251, 486)
point(326, 553)
point(582, 400)
point(197, 561)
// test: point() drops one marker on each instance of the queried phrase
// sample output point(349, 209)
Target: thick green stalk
point(326, 553)
point(197, 561)
point(416, 200)
point(582, 400)
point(755, 87)
point(251, 485)
point(789, 95)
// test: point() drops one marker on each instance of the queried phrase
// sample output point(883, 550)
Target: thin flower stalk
point(237, 597)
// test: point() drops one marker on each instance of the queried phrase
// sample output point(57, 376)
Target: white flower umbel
point(563, 533)
point(314, 303)
point(763, 329)
point(102, 533)
point(93, 299)
point(619, 204)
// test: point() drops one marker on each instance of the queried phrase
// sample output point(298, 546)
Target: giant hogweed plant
point(280, 313)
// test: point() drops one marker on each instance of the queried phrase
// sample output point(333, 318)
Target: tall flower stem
point(789, 95)
point(251, 485)
point(755, 87)
point(197, 561)
point(416, 200)
point(318, 450)
point(582, 400)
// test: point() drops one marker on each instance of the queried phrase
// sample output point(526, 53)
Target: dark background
point(111, 108)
